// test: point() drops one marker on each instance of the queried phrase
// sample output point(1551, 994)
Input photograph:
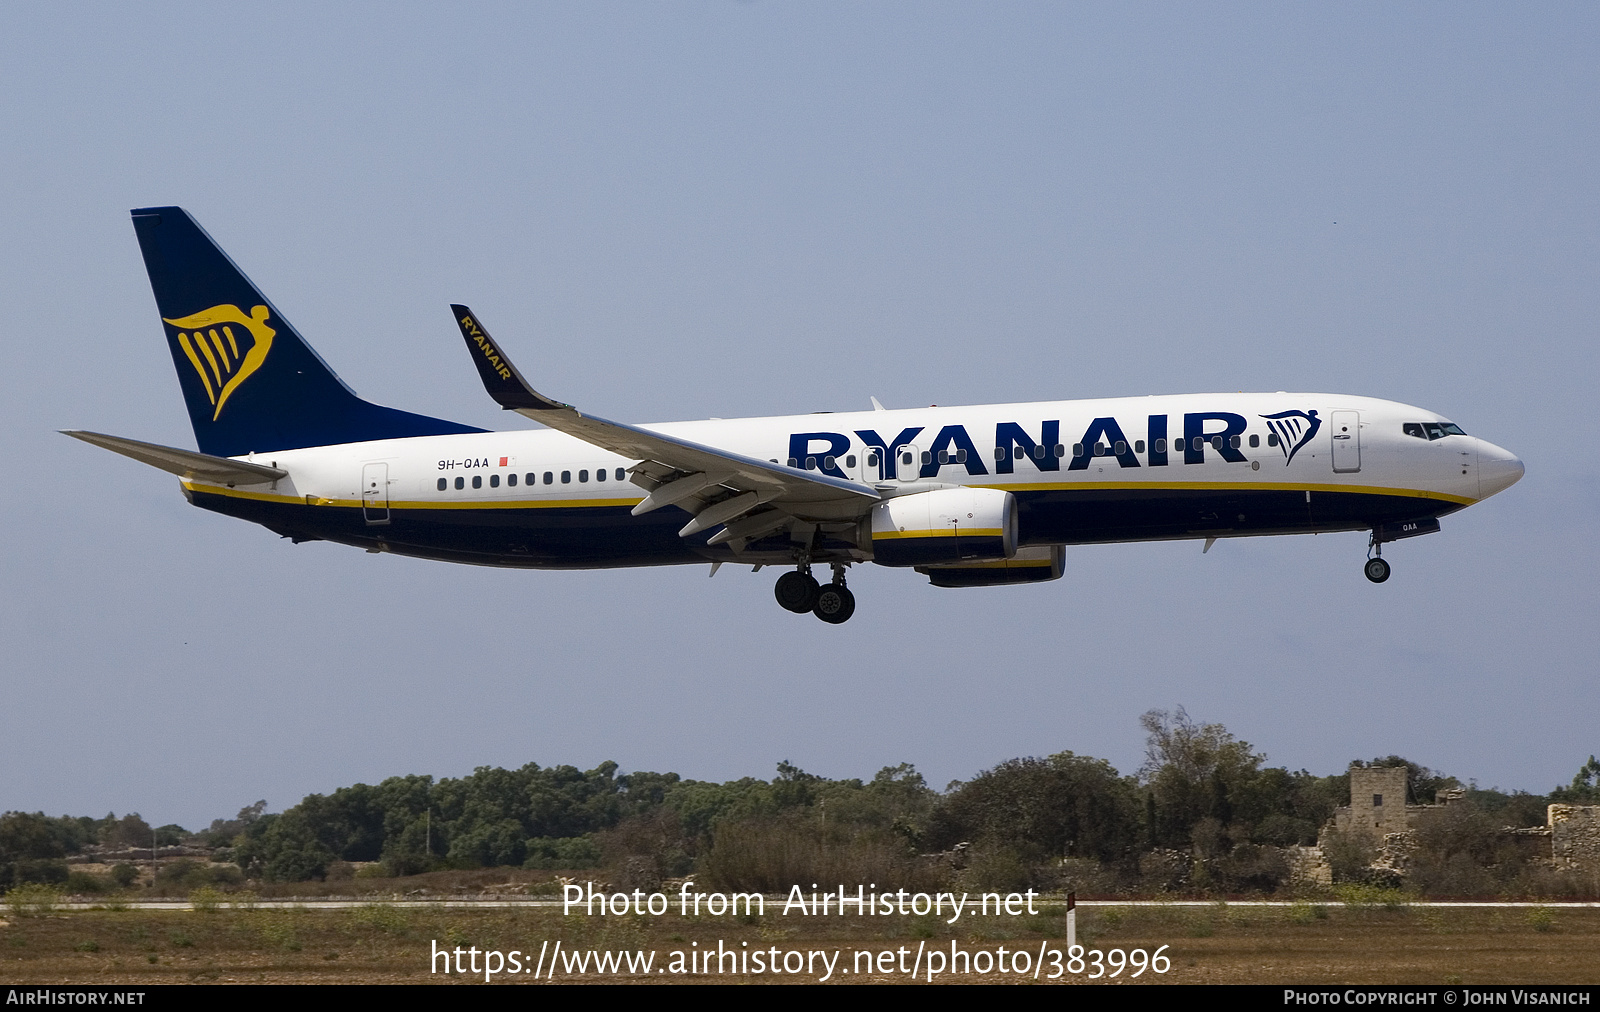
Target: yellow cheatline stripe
point(1051, 487)
point(1229, 486)
point(396, 504)
point(941, 532)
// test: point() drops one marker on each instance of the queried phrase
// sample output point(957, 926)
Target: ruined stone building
point(1378, 811)
point(1377, 804)
point(1575, 835)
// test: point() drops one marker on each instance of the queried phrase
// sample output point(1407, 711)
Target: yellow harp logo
point(208, 339)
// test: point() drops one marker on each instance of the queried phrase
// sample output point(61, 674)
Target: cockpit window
point(1433, 430)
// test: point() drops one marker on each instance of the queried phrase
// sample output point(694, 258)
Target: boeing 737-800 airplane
point(968, 496)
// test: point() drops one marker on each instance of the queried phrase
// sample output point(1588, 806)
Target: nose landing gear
point(799, 592)
point(1376, 569)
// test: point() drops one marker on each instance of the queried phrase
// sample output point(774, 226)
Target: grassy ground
point(1307, 943)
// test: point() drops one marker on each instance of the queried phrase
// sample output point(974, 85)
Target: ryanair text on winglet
point(490, 352)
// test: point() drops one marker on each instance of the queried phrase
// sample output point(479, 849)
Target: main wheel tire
point(1377, 570)
point(835, 604)
point(796, 591)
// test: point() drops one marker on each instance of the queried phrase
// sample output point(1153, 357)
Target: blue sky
point(684, 210)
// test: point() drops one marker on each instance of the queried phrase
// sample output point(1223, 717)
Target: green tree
point(1585, 786)
point(1064, 806)
point(1197, 771)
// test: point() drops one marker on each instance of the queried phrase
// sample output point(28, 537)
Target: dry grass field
point(1305, 943)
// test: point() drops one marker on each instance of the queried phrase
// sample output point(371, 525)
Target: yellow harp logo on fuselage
point(212, 346)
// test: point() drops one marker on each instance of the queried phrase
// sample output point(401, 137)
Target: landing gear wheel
point(1377, 570)
point(835, 604)
point(796, 592)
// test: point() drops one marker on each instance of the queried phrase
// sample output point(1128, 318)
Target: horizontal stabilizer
point(184, 463)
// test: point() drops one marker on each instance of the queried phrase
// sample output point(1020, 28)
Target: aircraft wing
point(183, 463)
point(752, 497)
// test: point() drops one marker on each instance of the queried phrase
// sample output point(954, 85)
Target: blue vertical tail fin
point(250, 381)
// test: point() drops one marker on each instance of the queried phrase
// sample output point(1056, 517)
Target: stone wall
point(1308, 864)
point(1575, 835)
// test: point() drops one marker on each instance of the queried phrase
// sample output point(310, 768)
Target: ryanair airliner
point(976, 496)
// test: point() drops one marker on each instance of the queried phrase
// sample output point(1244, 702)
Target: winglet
point(500, 377)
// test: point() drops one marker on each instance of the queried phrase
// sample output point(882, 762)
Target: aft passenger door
point(1346, 441)
point(375, 493)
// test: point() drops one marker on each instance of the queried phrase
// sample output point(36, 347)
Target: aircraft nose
point(1498, 469)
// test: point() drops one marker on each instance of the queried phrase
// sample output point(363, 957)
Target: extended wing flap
point(184, 463)
point(800, 492)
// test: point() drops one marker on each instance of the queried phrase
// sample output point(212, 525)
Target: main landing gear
point(1376, 569)
point(799, 592)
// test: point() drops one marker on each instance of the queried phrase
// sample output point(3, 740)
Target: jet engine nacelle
point(1029, 565)
point(948, 525)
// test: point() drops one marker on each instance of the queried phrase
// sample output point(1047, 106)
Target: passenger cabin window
point(477, 481)
point(583, 475)
point(872, 460)
point(461, 483)
point(566, 477)
point(494, 481)
point(1272, 439)
point(622, 475)
point(442, 483)
point(1255, 441)
point(1161, 446)
point(511, 480)
point(549, 476)
point(1138, 446)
